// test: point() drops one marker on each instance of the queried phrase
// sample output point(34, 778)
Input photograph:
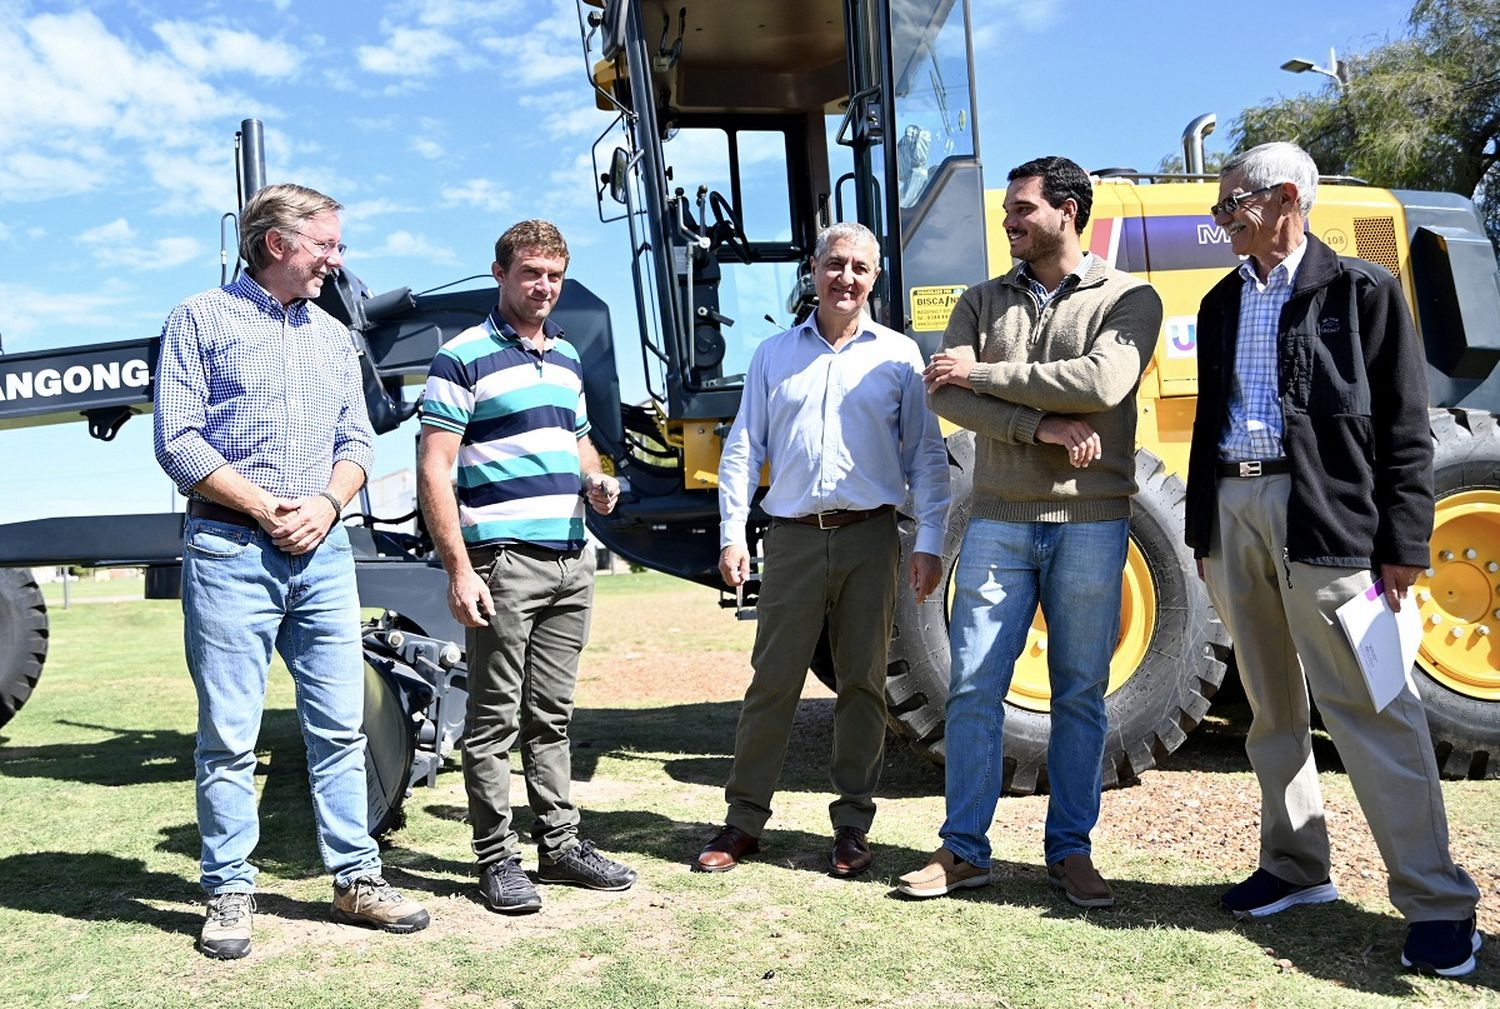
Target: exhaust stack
point(251, 153)
point(1192, 142)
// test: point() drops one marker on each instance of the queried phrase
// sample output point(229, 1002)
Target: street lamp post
point(1338, 71)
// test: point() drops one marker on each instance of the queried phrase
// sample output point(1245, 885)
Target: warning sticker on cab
point(931, 306)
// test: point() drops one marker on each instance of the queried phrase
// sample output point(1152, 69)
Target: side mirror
point(619, 171)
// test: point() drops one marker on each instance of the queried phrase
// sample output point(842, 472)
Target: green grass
point(87, 589)
point(99, 903)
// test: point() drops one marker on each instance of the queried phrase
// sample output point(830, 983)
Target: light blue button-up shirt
point(845, 429)
point(1255, 422)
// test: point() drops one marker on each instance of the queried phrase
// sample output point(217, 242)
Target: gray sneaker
point(371, 901)
point(505, 888)
point(226, 929)
point(583, 865)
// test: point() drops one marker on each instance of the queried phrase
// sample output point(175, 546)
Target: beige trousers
point(1277, 612)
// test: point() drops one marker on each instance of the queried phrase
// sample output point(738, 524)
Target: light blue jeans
point(241, 597)
point(1004, 569)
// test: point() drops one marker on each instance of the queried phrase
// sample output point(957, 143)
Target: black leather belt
point(1255, 467)
point(219, 513)
point(835, 519)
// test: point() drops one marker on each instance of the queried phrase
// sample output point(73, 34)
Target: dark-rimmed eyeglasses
point(1230, 204)
point(324, 249)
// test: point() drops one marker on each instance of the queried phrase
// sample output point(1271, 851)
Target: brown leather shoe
point(724, 852)
point(851, 852)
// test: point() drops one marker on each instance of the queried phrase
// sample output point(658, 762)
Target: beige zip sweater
point(1082, 356)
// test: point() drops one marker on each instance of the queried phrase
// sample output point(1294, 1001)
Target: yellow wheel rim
point(1459, 596)
point(1031, 689)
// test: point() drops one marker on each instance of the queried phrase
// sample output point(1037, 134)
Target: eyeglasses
point(1230, 204)
point(325, 249)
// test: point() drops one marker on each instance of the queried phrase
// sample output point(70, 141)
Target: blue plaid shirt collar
point(1075, 275)
point(1287, 269)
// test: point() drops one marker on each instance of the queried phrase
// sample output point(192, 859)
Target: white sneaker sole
point(967, 883)
point(1321, 894)
point(1458, 970)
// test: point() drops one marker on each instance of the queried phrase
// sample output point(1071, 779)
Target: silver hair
point(850, 231)
point(1274, 163)
point(281, 208)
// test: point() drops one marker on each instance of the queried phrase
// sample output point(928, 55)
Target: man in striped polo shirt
point(505, 401)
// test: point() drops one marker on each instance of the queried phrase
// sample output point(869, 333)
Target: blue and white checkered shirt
point(1043, 295)
point(1255, 425)
point(273, 392)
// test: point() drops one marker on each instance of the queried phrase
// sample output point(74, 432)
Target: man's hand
point(946, 369)
point(302, 523)
point(926, 572)
point(1077, 436)
point(603, 492)
point(734, 565)
point(469, 598)
point(1398, 578)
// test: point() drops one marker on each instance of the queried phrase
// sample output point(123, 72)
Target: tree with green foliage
point(1420, 112)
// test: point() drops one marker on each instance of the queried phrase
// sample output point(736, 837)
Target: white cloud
point(452, 12)
point(52, 318)
point(408, 52)
point(114, 232)
point(411, 246)
point(223, 50)
point(4, 232)
point(361, 212)
point(87, 102)
point(428, 148)
point(119, 243)
point(480, 194)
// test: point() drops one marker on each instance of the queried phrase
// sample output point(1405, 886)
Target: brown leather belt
point(835, 519)
point(218, 513)
point(1255, 467)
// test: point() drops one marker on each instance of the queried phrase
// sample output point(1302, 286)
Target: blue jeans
point(1004, 569)
point(241, 597)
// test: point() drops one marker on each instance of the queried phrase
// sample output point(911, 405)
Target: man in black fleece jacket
point(1310, 475)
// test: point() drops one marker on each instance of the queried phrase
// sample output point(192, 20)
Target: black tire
point(1465, 727)
point(390, 737)
point(23, 639)
point(1150, 713)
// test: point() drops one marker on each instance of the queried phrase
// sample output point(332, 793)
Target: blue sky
point(438, 123)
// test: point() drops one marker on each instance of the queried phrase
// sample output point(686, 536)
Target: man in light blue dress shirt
point(260, 421)
point(836, 406)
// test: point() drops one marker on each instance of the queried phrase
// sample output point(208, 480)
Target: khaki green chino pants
point(848, 576)
point(523, 667)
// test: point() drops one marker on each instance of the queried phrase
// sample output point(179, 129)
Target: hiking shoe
point(226, 929)
point(1265, 894)
point(583, 865)
point(505, 888)
point(1444, 948)
point(370, 900)
point(943, 873)
point(1077, 878)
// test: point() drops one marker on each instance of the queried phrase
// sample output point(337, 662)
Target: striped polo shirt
point(521, 414)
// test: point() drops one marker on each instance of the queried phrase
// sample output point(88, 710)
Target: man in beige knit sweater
point(1042, 365)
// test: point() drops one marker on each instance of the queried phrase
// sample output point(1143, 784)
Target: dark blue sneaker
point(1265, 894)
point(584, 865)
point(1444, 948)
point(505, 888)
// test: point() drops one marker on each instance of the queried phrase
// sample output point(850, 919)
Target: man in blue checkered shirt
point(260, 421)
point(1310, 476)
